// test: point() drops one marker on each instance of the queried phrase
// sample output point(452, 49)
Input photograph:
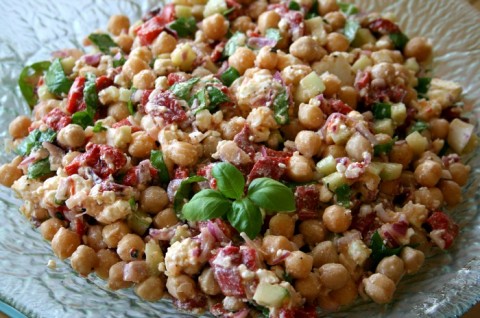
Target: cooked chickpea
point(300, 168)
point(310, 116)
point(282, 224)
point(134, 65)
point(182, 153)
point(165, 218)
point(266, 58)
point(380, 288)
point(439, 128)
point(84, 260)
point(115, 277)
point(349, 96)
point(452, 193)
point(413, 259)
point(71, 136)
point(332, 84)
point(419, 47)
point(18, 128)
point(460, 173)
point(118, 111)
point(136, 271)
point(335, 19)
point(9, 174)
point(313, 231)
point(131, 247)
point(308, 143)
point(215, 27)
point(141, 145)
point(125, 42)
point(183, 57)
point(153, 199)
point(432, 198)
point(181, 287)
point(307, 49)
point(357, 146)
point(271, 244)
point(345, 295)
point(324, 253)
point(118, 24)
point(50, 227)
point(308, 287)
point(327, 6)
point(401, 153)
point(337, 219)
point(207, 282)
point(428, 173)
point(267, 20)
point(95, 238)
point(392, 267)
point(337, 42)
point(243, 24)
point(113, 233)
point(336, 151)
point(164, 43)
point(65, 242)
point(144, 79)
point(298, 264)
point(333, 275)
point(106, 259)
point(151, 289)
point(242, 59)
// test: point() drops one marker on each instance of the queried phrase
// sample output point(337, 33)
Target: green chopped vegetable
point(399, 40)
point(119, 62)
point(418, 126)
point(351, 28)
point(157, 161)
point(34, 140)
point(343, 194)
point(230, 181)
point(209, 98)
point(184, 26)
point(182, 89)
point(85, 117)
point(130, 106)
point(281, 104)
point(235, 41)
point(139, 221)
point(229, 76)
point(56, 80)
point(348, 8)
point(28, 80)
point(380, 250)
point(382, 110)
point(98, 127)
point(39, 169)
point(383, 148)
point(313, 11)
point(183, 193)
point(228, 11)
point(294, 6)
point(103, 41)
point(423, 86)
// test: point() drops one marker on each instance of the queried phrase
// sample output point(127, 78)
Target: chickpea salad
point(247, 158)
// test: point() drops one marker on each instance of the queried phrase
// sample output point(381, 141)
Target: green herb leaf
point(133, 204)
point(39, 169)
point(103, 41)
point(294, 6)
point(348, 8)
point(418, 126)
point(98, 127)
point(157, 161)
point(183, 193)
point(383, 148)
point(351, 28)
point(182, 89)
point(273, 34)
point(237, 39)
point(271, 195)
point(280, 107)
point(423, 86)
point(382, 110)
point(56, 80)
point(216, 97)
point(343, 193)
point(380, 250)
point(205, 205)
point(246, 217)
point(184, 26)
point(28, 80)
point(82, 118)
point(34, 140)
point(229, 76)
point(119, 62)
point(399, 40)
point(230, 181)
point(313, 11)
point(85, 117)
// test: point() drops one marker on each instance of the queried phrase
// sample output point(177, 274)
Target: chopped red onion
point(92, 59)
point(164, 234)
point(259, 42)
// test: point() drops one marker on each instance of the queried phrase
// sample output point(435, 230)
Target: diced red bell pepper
point(149, 31)
point(57, 119)
point(103, 82)
point(166, 106)
point(126, 122)
point(243, 141)
point(75, 95)
point(271, 167)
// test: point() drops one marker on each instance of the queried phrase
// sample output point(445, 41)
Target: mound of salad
point(247, 158)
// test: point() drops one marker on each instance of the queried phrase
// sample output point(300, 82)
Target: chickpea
point(125, 42)
point(151, 289)
point(308, 143)
point(106, 259)
point(267, 20)
point(242, 59)
point(50, 227)
point(460, 173)
point(215, 27)
point(308, 287)
point(345, 295)
point(307, 49)
point(266, 58)
point(419, 47)
point(324, 253)
point(131, 247)
point(337, 42)
point(118, 24)
point(164, 43)
point(313, 231)
point(165, 218)
point(113, 233)
point(9, 174)
point(439, 128)
point(144, 79)
point(336, 151)
point(95, 238)
point(232, 127)
point(182, 153)
point(401, 153)
point(380, 288)
point(349, 96)
point(327, 6)
point(271, 244)
point(357, 146)
point(18, 128)
point(298, 241)
point(71, 136)
point(413, 259)
point(300, 168)
point(207, 282)
point(118, 111)
point(153, 199)
point(310, 116)
point(333, 276)
point(141, 146)
point(133, 66)
point(332, 84)
point(84, 260)
point(428, 173)
point(452, 193)
point(337, 219)
point(298, 264)
point(115, 277)
point(392, 267)
point(432, 198)
point(243, 24)
point(335, 19)
point(282, 224)
point(136, 271)
point(65, 242)
point(181, 287)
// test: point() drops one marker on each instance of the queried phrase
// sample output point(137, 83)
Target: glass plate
point(447, 286)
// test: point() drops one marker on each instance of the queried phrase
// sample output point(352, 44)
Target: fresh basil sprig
point(28, 80)
point(242, 211)
point(34, 140)
point(56, 80)
point(103, 41)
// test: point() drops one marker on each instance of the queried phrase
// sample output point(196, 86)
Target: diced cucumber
point(459, 135)
point(310, 86)
point(334, 180)
point(375, 168)
point(214, 6)
point(391, 171)
point(154, 256)
point(363, 36)
point(327, 166)
point(383, 126)
point(417, 142)
point(362, 63)
point(269, 295)
point(139, 222)
point(398, 113)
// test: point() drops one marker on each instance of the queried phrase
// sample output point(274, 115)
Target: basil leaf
point(237, 39)
point(348, 8)
point(271, 195)
point(229, 76)
point(418, 126)
point(103, 41)
point(423, 85)
point(85, 117)
point(382, 110)
point(34, 140)
point(399, 40)
point(380, 250)
point(157, 161)
point(184, 26)
point(28, 79)
point(294, 6)
point(351, 28)
point(230, 181)
point(246, 217)
point(201, 97)
point(280, 107)
point(56, 80)
point(343, 193)
point(98, 127)
point(273, 34)
point(383, 148)
point(216, 97)
point(39, 169)
point(313, 11)
point(82, 118)
point(182, 89)
point(205, 205)
point(183, 193)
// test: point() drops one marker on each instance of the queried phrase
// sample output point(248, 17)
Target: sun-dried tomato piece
point(270, 167)
point(441, 221)
point(383, 26)
point(75, 95)
point(126, 122)
point(57, 119)
point(307, 200)
point(103, 82)
point(149, 31)
point(244, 140)
point(166, 106)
